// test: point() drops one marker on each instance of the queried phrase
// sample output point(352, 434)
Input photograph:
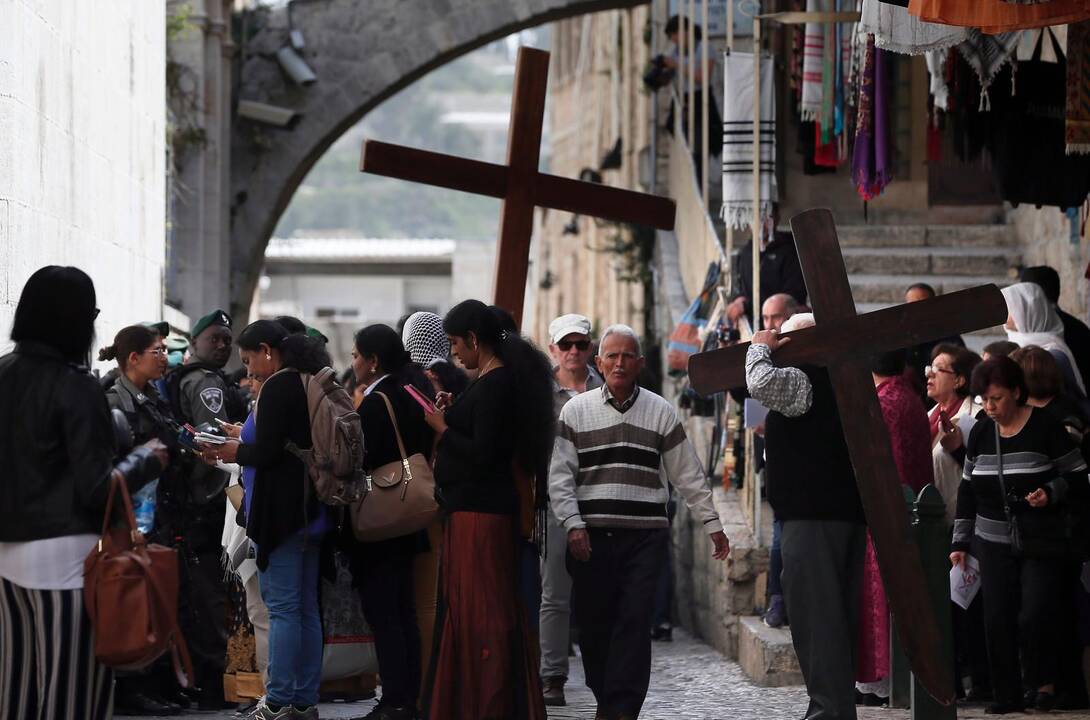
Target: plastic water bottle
point(143, 505)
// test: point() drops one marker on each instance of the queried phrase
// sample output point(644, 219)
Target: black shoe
point(1072, 700)
point(662, 633)
point(137, 703)
point(1002, 708)
point(873, 700)
point(175, 696)
point(389, 712)
point(1029, 697)
point(1045, 702)
point(552, 691)
point(977, 695)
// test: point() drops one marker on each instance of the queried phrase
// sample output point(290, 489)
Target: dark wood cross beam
point(844, 342)
point(518, 183)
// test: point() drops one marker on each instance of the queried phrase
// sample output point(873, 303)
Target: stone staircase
point(882, 261)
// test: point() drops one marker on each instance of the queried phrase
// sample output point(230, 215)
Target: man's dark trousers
point(616, 591)
point(822, 578)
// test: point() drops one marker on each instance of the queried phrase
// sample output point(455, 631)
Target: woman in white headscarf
point(1032, 320)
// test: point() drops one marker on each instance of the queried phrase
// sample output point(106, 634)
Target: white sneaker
point(264, 712)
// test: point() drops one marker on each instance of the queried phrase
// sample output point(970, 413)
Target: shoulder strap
point(999, 473)
point(393, 419)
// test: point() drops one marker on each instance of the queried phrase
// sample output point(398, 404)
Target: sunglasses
point(580, 345)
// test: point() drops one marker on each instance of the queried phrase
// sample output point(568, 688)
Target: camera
point(657, 75)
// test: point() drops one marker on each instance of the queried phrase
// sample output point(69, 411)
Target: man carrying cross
point(811, 487)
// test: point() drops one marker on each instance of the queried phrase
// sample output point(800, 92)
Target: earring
point(268, 356)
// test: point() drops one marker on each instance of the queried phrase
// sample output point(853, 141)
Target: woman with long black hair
point(499, 429)
point(383, 570)
point(57, 448)
point(286, 530)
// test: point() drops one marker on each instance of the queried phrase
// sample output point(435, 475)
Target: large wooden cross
point(518, 183)
point(844, 343)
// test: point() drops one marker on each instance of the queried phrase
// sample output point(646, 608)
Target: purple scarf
point(870, 155)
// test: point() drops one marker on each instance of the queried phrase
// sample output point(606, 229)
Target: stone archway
point(362, 52)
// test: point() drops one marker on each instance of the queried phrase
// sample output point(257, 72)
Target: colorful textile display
point(1028, 145)
point(1077, 108)
point(737, 210)
point(894, 29)
point(870, 155)
point(997, 16)
point(813, 60)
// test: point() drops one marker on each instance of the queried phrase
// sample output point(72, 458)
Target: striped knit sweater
point(610, 468)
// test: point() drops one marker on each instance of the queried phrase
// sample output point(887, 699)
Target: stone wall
point(595, 100)
point(1049, 237)
point(710, 596)
point(82, 156)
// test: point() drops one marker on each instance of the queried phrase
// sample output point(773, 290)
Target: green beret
point(317, 334)
point(163, 328)
point(216, 317)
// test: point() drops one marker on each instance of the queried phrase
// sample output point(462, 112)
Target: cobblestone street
point(690, 681)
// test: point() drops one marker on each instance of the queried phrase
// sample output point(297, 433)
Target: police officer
point(192, 509)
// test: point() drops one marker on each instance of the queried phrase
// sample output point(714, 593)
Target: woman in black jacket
point(57, 448)
point(286, 521)
point(384, 570)
point(495, 441)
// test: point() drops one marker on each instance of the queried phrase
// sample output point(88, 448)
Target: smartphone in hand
point(944, 420)
point(428, 405)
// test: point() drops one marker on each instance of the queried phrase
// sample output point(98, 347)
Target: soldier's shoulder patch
point(212, 398)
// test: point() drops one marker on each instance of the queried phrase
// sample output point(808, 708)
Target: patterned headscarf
point(425, 338)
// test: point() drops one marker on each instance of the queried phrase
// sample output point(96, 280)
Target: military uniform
point(193, 513)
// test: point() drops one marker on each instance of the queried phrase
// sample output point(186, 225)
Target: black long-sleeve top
point(473, 467)
point(1041, 455)
point(283, 501)
point(380, 448)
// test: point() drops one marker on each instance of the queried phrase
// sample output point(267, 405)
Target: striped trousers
point(47, 657)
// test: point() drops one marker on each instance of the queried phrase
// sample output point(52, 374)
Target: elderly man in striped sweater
point(615, 450)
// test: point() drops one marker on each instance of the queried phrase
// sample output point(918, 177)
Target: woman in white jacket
point(948, 385)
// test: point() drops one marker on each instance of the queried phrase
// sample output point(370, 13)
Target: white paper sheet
point(965, 581)
point(755, 413)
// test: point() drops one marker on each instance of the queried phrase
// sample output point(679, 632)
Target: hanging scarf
point(813, 58)
point(737, 210)
point(897, 31)
point(870, 155)
point(828, 79)
point(986, 55)
point(1077, 112)
point(1037, 322)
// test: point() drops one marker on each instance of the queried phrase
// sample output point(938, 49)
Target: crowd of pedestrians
point(552, 477)
point(1003, 439)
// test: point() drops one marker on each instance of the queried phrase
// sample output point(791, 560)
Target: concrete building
point(339, 285)
point(83, 159)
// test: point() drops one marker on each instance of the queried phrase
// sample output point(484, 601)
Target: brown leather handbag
point(400, 496)
point(130, 590)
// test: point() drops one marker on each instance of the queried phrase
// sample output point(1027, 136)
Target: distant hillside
point(336, 197)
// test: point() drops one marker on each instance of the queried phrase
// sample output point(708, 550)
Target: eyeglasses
point(933, 370)
point(94, 316)
point(580, 345)
point(157, 351)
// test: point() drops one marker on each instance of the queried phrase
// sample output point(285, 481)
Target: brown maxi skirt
point(484, 667)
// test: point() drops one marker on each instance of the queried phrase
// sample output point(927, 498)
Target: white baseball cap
point(567, 325)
